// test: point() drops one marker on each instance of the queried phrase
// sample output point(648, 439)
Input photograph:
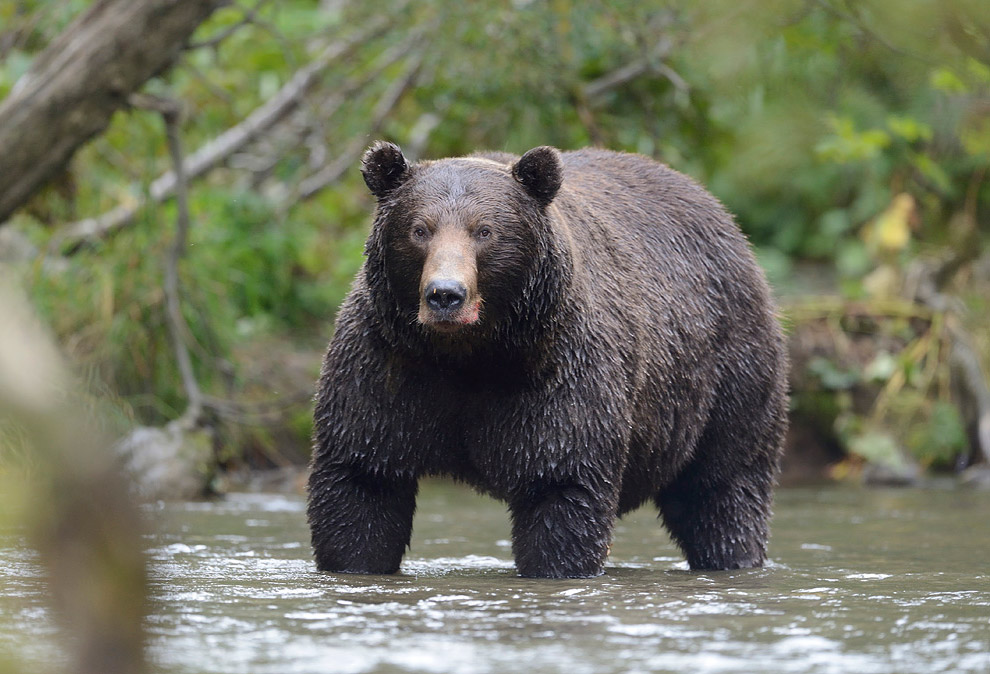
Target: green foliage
point(832, 378)
point(808, 120)
point(880, 390)
point(939, 437)
point(877, 447)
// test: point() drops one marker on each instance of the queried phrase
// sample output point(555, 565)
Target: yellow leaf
point(891, 230)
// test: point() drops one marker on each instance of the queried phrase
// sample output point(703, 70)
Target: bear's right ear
point(384, 168)
point(540, 172)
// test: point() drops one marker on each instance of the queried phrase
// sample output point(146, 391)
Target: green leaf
point(909, 128)
point(940, 438)
point(881, 368)
point(947, 81)
point(975, 135)
point(978, 70)
point(846, 144)
point(877, 447)
point(933, 171)
point(829, 374)
point(852, 259)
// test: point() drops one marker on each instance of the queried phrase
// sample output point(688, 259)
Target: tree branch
point(250, 16)
point(218, 150)
point(652, 62)
point(171, 113)
point(329, 174)
point(310, 121)
point(76, 84)
point(616, 78)
point(969, 383)
point(177, 326)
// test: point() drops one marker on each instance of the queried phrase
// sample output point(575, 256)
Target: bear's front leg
point(560, 531)
point(360, 523)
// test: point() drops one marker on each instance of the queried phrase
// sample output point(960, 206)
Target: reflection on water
point(861, 581)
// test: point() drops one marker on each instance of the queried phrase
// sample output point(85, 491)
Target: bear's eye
point(484, 233)
point(419, 233)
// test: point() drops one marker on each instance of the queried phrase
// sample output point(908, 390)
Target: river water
point(861, 581)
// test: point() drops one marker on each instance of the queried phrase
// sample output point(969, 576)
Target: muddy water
point(861, 581)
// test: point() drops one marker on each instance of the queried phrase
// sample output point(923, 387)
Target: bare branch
point(675, 78)
point(216, 90)
point(76, 84)
point(329, 174)
point(313, 117)
point(218, 150)
point(257, 413)
point(853, 15)
point(616, 78)
point(652, 62)
point(250, 16)
point(970, 385)
point(176, 322)
point(171, 113)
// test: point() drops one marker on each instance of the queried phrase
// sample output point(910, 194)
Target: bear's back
point(639, 197)
point(637, 222)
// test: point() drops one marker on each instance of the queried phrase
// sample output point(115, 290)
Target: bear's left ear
point(540, 172)
point(384, 168)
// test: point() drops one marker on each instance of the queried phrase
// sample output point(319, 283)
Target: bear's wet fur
point(574, 333)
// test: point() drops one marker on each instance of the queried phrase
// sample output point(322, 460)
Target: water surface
point(885, 581)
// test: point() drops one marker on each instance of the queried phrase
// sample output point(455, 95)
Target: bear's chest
point(468, 423)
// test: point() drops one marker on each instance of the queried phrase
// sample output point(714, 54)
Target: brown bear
point(574, 333)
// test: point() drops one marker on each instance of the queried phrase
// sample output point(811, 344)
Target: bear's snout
point(444, 303)
point(445, 295)
point(449, 296)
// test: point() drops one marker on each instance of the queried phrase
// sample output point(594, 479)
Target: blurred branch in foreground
point(79, 514)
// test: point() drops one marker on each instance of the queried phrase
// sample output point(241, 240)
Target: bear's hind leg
point(360, 523)
point(720, 521)
point(717, 508)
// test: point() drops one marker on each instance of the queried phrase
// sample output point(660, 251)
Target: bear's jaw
point(449, 322)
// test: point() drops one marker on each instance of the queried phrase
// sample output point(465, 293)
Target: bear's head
point(459, 246)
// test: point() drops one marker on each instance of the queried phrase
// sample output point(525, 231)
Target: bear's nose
point(445, 294)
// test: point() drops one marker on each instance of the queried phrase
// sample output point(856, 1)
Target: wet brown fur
point(626, 350)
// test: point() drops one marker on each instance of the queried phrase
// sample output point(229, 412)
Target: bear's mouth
point(449, 321)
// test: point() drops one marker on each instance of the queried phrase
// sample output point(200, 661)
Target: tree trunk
point(76, 84)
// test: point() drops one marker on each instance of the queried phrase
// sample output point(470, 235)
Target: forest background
point(850, 139)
